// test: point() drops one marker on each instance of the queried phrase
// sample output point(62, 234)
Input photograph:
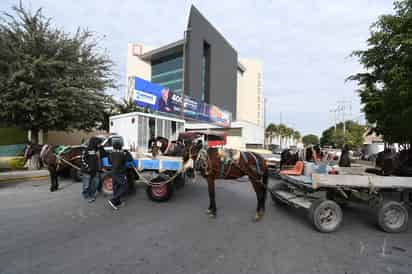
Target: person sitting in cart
point(118, 158)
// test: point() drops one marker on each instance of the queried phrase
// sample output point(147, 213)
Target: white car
point(272, 160)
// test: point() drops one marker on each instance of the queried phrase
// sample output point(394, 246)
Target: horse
point(158, 145)
point(35, 150)
point(395, 163)
point(55, 163)
point(211, 166)
point(288, 158)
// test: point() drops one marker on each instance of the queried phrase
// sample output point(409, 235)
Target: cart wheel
point(107, 185)
point(326, 215)
point(160, 193)
point(393, 217)
point(275, 199)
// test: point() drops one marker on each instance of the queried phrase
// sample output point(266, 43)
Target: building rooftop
point(165, 50)
point(173, 48)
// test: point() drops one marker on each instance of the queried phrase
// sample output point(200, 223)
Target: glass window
point(205, 72)
point(167, 76)
point(168, 71)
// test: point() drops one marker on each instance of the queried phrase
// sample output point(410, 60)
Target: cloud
point(304, 45)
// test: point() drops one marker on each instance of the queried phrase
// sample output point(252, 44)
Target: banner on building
point(159, 98)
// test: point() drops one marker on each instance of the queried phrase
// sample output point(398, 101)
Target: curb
point(13, 176)
point(17, 179)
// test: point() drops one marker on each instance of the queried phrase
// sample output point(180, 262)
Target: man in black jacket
point(90, 168)
point(118, 159)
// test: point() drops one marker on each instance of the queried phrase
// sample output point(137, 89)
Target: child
point(118, 159)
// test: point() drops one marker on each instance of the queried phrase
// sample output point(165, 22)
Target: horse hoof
point(208, 211)
point(212, 215)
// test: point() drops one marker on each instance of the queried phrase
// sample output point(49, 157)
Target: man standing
point(118, 159)
point(90, 166)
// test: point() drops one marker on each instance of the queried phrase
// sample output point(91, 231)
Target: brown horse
point(69, 158)
point(210, 164)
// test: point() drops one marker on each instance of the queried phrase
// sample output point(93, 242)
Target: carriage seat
point(297, 170)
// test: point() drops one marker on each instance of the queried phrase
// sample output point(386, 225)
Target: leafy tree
point(310, 139)
point(50, 79)
point(353, 137)
point(127, 106)
point(386, 85)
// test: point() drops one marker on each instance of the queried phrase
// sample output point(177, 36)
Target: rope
point(158, 184)
point(67, 162)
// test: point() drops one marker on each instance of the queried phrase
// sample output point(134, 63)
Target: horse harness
point(47, 148)
point(231, 162)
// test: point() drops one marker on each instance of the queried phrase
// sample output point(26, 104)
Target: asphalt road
point(43, 232)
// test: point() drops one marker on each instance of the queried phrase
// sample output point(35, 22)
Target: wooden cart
point(389, 195)
point(161, 175)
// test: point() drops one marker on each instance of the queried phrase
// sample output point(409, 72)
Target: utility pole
point(334, 111)
point(343, 106)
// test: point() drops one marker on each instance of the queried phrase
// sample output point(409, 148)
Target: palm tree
point(296, 136)
point(271, 131)
point(289, 134)
point(282, 128)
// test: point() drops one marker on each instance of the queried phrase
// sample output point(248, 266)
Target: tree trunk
point(34, 133)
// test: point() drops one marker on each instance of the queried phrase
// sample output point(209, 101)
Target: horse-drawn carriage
point(162, 174)
point(323, 195)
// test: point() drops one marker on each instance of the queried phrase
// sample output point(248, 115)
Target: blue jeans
point(90, 185)
point(120, 188)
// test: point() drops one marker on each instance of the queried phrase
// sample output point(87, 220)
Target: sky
point(304, 45)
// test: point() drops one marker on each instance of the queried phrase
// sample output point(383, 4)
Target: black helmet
point(117, 142)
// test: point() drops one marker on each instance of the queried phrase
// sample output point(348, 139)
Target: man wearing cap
point(90, 168)
point(118, 158)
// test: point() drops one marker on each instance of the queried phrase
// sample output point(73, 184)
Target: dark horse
point(210, 164)
point(68, 158)
point(395, 163)
point(158, 144)
point(288, 158)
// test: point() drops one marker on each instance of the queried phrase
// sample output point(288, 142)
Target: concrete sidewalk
point(13, 176)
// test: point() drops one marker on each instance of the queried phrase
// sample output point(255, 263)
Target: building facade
point(204, 65)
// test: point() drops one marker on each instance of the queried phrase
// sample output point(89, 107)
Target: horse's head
point(29, 151)
point(196, 155)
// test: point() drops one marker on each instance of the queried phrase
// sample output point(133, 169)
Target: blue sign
point(159, 98)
